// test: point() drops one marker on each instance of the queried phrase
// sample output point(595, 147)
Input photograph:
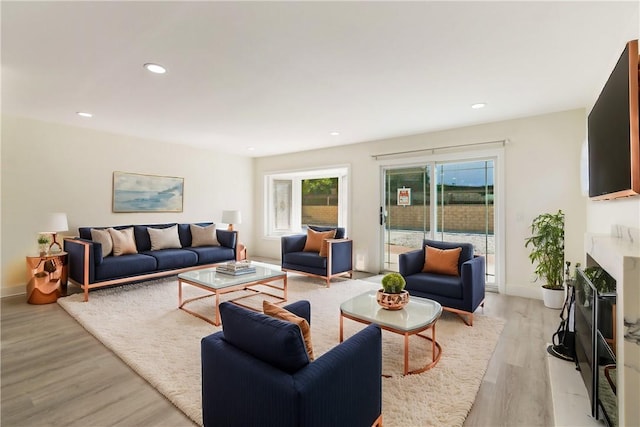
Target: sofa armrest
point(82, 260)
point(473, 280)
point(347, 379)
point(293, 243)
point(340, 255)
point(227, 238)
point(411, 262)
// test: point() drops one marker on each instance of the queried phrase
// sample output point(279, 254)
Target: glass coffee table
point(419, 315)
point(219, 283)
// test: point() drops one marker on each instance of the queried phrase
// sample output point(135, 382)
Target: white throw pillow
point(124, 242)
point(164, 238)
point(103, 237)
point(203, 236)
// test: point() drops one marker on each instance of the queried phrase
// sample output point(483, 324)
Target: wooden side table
point(47, 275)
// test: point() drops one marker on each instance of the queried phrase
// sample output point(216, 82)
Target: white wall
point(54, 168)
point(542, 174)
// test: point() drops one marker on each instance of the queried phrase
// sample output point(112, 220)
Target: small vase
point(392, 301)
point(43, 248)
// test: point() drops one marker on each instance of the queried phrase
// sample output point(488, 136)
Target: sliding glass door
point(447, 201)
point(405, 216)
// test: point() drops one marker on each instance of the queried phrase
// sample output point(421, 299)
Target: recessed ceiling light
point(155, 68)
point(251, 148)
point(82, 114)
point(478, 105)
point(334, 133)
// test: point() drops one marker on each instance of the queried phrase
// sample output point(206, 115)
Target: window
point(296, 200)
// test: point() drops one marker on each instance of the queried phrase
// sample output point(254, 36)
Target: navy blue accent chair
point(256, 372)
point(460, 294)
point(338, 262)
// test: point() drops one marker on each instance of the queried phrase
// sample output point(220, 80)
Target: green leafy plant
point(393, 283)
point(43, 239)
point(547, 248)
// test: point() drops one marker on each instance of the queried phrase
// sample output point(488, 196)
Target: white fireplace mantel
point(619, 255)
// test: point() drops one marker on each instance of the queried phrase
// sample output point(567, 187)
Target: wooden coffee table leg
point(406, 354)
point(217, 321)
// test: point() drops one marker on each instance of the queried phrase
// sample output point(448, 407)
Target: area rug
point(143, 326)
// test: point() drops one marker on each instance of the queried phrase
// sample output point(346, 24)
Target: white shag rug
point(143, 326)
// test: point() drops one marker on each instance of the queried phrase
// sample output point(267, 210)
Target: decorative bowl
point(392, 301)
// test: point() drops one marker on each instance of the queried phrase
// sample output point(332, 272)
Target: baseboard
point(11, 291)
point(532, 292)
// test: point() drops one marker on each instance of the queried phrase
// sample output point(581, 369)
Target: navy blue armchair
point(338, 262)
point(461, 294)
point(256, 372)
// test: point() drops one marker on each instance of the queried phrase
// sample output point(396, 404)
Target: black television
point(612, 132)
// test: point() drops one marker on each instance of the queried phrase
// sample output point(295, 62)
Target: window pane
point(320, 202)
point(282, 204)
point(465, 207)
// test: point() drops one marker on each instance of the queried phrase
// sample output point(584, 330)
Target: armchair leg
point(469, 320)
point(377, 422)
point(466, 317)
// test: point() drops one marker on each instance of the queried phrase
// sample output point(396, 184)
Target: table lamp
point(231, 217)
point(55, 222)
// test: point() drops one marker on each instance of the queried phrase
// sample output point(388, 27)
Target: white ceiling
point(280, 76)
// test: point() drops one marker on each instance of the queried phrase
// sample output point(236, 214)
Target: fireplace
point(595, 343)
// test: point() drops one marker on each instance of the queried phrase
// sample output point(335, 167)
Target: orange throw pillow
point(270, 309)
point(315, 240)
point(441, 261)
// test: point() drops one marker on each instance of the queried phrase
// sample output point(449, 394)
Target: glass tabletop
point(210, 278)
point(419, 313)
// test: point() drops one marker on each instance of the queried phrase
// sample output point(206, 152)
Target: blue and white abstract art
point(134, 192)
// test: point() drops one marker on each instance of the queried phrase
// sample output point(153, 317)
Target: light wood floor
point(54, 373)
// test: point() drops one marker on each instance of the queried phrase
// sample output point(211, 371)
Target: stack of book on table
point(235, 268)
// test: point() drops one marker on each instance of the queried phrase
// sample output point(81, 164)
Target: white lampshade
point(55, 222)
point(231, 217)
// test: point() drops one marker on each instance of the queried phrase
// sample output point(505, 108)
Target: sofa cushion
point(125, 266)
point(441, 261)
point(272, 340)
point(164, 238)
point(310, 259)
point(123, 241)
point(212, 254)
point(435, 284)
point(203, 236)
point(168, 259)
point(315, 239)
point(103, 237)
point(271, 309)
point(465, 255)
point(340, 231)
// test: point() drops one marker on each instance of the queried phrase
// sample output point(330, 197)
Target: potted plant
point(43, 241)
point(547, 252)
point(392, 296)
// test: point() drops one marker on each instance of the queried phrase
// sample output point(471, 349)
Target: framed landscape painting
point(134, 192)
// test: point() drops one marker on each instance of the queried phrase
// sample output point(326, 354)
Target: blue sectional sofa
point(90, 268)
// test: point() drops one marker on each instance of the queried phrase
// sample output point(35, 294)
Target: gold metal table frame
point(219, 284)
point(361, 309)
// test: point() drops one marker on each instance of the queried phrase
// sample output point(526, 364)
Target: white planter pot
point(553, 298)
